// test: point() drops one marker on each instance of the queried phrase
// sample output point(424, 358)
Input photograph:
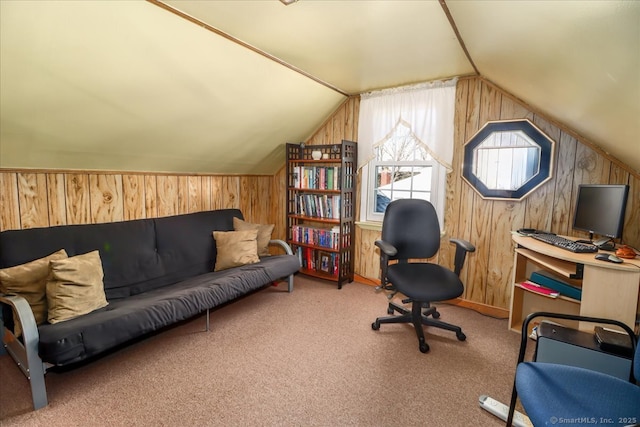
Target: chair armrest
point(462, 247)
point(283, 244)
point(387, 251)
point(467, 246)
point(387, 248)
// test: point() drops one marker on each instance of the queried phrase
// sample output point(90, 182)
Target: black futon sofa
point(156, 272)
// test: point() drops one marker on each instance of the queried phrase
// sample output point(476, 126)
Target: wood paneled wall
point(487, 223)
point(45, 198)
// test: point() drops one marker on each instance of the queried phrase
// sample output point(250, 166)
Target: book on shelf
point(321, 206)
point(296, 177)
point(316, 236)
point(316, 177)
point(319, 261)
point(551, 281)
point(539, 289)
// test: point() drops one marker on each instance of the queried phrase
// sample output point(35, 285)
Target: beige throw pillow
point(75, 287)
point(264, 233)
point(30, 282)
point(235, 248)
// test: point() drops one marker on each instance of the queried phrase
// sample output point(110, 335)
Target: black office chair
point(410, 235)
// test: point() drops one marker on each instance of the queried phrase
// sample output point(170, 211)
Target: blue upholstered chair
point(553, 394)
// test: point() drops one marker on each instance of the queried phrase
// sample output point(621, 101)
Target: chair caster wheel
point(424, 347)
point(390, 310)
point(375, 326)
point(436, 315)
point(461, 336)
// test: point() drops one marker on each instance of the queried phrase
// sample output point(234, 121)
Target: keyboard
point(565, 243)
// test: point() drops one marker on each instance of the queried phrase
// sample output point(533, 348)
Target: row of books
point(318, 205)
point(544, 283)
point(316, 236)
point(326, 262)
point(538, 289)
point(317, 177)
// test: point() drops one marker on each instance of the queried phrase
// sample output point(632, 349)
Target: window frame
point(371, 214)
point(368, 188)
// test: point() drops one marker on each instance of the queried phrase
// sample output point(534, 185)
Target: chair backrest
point(411, 225)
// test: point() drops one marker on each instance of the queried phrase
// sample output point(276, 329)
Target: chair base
point(418, 319)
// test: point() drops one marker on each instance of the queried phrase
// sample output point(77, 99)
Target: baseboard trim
point(487, 310)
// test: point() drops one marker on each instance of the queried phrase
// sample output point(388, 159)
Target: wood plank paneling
point(631, 231)
point(106, 198)
point(367, 255)
point(487, 223)
point(563, 173)
point(217, 202)
point(454, 180)
point(466, 195)
point(150, 196)
point(56, 198)
point(167, 189)
point(550, 207)
point(183, 194)
point(262, 211)
point(195, 193)
point(207, 201)
point(32, 196)
point(500, 266)
point(78, 194)
point(56, 202)
point(10, 205)
point(133, 197)
point(231, 192)
point(248, 205)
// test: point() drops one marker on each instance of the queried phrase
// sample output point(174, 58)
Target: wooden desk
point(609, 290)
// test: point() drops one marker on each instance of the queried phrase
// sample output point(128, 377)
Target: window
point(402, 168)
point(508, 159)
point(405, 146)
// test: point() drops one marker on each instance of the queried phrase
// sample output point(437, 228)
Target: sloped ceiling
point(220, 86)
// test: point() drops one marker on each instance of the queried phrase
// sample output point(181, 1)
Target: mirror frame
point(545, 170)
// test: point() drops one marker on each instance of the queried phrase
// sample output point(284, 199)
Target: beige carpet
point(309, 358)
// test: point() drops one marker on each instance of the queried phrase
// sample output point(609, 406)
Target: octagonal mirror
point(508, 159)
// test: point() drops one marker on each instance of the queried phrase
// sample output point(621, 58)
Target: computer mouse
point(609, 257)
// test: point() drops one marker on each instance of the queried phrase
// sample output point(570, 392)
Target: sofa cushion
point(264, 233)
point(185, 247)
point(235, 248)
point(130, 318)
point(137, 255)
point(75, 287)
point(127, 250)
point(29, 281)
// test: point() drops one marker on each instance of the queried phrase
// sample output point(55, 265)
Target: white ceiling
point(133, 85)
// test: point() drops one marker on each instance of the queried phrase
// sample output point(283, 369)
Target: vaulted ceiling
point(220, 86)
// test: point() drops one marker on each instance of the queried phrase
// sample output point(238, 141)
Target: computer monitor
point(600, 209)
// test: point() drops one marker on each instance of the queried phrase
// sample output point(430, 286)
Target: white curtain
point(427, 108)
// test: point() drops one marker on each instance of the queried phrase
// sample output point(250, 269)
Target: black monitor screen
point(600, 209)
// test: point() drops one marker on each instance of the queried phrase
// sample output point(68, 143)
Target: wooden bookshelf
point(320, 208)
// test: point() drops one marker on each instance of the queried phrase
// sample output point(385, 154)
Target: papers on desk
point(538, 289)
